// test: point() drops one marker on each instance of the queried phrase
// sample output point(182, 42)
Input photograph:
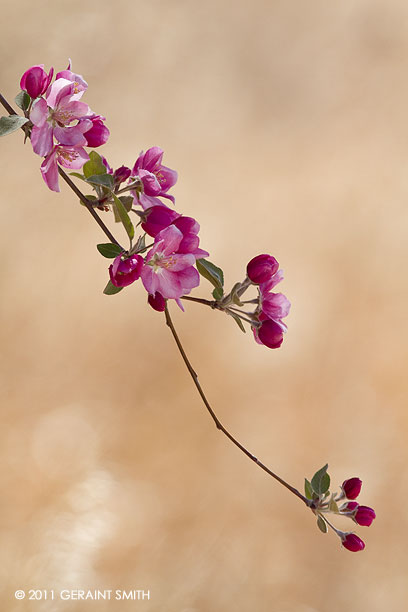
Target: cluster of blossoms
point(317, 490)
point(62, 125)
point(169, 268)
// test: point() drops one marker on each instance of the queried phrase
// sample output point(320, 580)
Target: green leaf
point(308, 489)
point(127, 202)
point(140, 244)
point(109, 250)
point(22, 100)
point(77, 175)
point(321, 524)
point(234, 295)
point(106, 180)
point(211, 272)
point(237, 320)
point(91, 198)
point(110, 289)
point(218, 293)
point(124, 217)
point(321, 481)
point(94, 166)
point(11, 124)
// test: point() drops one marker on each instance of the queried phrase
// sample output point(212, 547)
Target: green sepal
point(218, 293)
point(104, 180)
point(110, 289)
point(333, 507)
point(234, 295)
point(11, 124)
point(322, 525)
point(22, 100)
point(308, 489)
point(237, 321)
point(140, 244)
point(94, 165)
point(109, 250)
point(211, 272)
point(124, 217)
point(321, 481)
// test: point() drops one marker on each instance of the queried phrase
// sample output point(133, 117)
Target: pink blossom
point(68, 157)
point(273, 308)
point(157, 218)
point(166, 270)
point(155, 178)
point(352, 542)
point(80, 85)
point(35, 80)
point(125, 270)
point(53, 115)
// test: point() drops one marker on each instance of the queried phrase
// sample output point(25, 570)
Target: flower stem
point(74, 188)
point(218, 423)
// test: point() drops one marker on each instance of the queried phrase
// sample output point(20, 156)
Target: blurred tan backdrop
point(287, 122)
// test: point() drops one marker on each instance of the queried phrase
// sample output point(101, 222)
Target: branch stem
point(216, 420)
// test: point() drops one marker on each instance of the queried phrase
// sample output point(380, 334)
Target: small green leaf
point(110, 289)
point(237, 320)
point(234, 294)
point(109, 250)
point(124, 217)
point(127, 202)
point(218, 293)
point(321, 524)
point(321, 481)
point(211, 272)
point(94, 166)
point(11, 124)
point(77, 175)
point(106, 180)
point(91, 198)
point(333, 507)
point(22, 100)
point(308, 489)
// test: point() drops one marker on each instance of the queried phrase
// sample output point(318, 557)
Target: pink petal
point(39, 112)
point(41, 139)
point(49, 171)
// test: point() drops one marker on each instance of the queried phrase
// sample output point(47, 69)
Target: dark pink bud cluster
point(361, 515)
point(62, 124)
point(263, 271)
point(125, 270)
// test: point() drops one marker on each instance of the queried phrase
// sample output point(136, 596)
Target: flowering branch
point(59, 125)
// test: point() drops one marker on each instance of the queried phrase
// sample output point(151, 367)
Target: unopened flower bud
point(364, 516)
point(157, 301)
point(121, 174)
point(98, 134)
point(352, 488)
point(123, 272)
point(270, 334)
point(158, 218)
point(352, 542)
point(261, 268)
point(35, 80)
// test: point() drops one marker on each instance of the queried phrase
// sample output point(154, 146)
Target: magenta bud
point(158, 218)
point(187, 225)
point(351, 506)
point(121, 174)
point(352, 542)
point(35, 80)
point(123, 272)
point(352, 487)
point(364, 516)
point(157, 301)
point(98, 134)
point(261, 269)
point(270, 334)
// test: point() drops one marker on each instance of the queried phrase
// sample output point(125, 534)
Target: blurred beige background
point(287, 122)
